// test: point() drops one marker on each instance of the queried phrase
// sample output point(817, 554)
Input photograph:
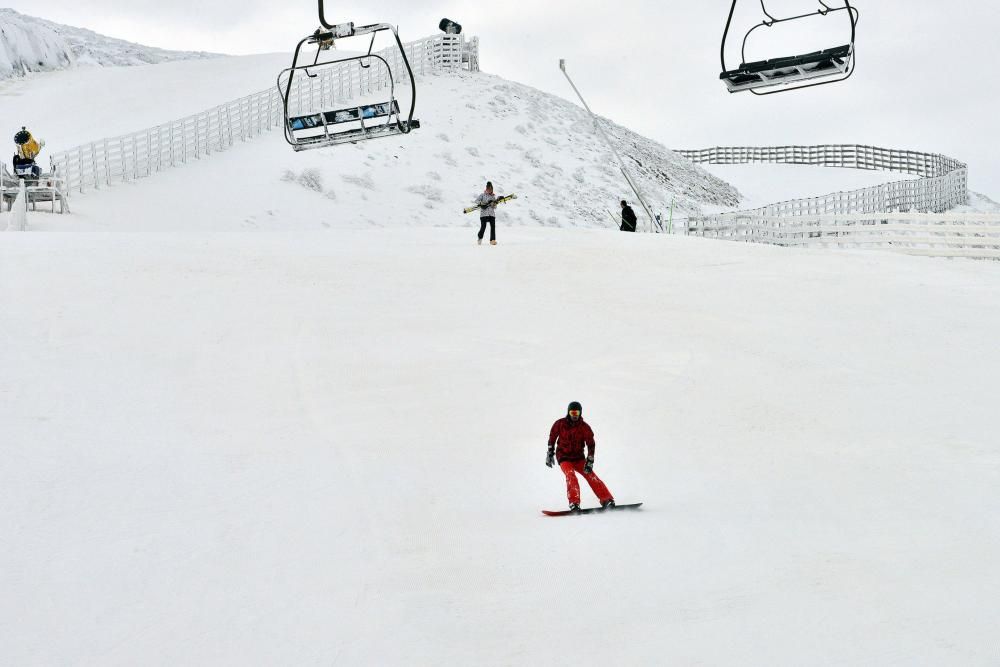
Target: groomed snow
point(327, 448)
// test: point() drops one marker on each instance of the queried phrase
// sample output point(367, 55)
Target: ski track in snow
point(315, 447)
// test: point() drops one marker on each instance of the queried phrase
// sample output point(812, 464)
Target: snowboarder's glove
point(550, 457)
point(589, 468)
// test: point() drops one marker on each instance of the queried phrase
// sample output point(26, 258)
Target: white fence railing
point(140, 154)
point(881, 216)
point(943, 182)
point(932, 234)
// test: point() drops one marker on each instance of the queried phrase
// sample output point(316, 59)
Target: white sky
point(922, 79)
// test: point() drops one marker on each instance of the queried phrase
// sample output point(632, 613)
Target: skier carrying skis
point(28, 149)
point(572, 434)
point(628, 218)
point(487, 213)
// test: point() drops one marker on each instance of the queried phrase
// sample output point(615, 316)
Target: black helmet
point(575, 405)
point(22, 137)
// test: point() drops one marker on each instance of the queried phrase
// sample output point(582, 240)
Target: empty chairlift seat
point(790, 70)
point(344, 78)
point(346, 125)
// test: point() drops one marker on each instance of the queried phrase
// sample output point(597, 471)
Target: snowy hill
point(476, 127)
point(30, 44)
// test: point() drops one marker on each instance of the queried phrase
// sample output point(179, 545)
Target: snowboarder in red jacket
point(572, 434)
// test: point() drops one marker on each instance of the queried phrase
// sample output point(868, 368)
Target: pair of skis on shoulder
point(499, 200)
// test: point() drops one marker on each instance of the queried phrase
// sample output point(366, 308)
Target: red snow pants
point(570, 469)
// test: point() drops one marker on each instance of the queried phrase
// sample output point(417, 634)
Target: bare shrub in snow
point(447, 158)
point(428, 192)
point(364, 182)
point(311, 179)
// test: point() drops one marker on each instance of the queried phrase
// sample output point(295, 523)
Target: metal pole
point(635, 188)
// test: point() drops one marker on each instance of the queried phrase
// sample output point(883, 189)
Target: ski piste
point(592, 510)
point(500, 200)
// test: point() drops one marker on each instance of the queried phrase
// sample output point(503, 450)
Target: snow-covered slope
point(131, 98)
point(325, 446)
point(327, 449)
point(769, 183)
point(476, 127)
point(979, 203)
point(30, 44)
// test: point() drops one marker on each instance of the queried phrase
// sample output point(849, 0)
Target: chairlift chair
point(833, 64)
point(330, 127)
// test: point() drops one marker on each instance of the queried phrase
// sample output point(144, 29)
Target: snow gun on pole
point(653, 225)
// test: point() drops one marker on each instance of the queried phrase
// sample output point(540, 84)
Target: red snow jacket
point(572, 437)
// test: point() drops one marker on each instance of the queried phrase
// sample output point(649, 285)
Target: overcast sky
point(925, 77)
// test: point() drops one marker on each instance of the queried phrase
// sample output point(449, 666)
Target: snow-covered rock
point(30, 44)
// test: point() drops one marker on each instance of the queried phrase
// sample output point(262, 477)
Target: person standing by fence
point(629, 220)
point(487, 203)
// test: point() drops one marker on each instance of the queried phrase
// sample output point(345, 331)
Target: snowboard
point(500, 200)
point(591, 510)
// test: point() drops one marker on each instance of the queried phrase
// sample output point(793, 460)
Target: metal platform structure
point(48, 188)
